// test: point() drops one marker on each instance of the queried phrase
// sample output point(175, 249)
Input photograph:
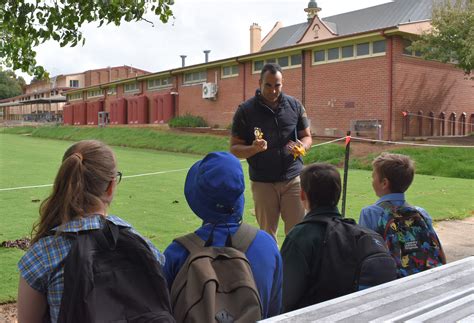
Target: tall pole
point(346, 168)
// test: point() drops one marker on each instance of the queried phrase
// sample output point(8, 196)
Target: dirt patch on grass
point(8, 313)
point(455, 235)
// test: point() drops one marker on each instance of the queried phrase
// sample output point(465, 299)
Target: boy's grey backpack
point(216, 284)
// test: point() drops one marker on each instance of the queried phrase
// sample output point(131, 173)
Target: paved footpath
point(457, 238)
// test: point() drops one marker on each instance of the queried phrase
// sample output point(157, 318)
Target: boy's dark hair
point(322, 184)
point(398, 169)
point(273, 68)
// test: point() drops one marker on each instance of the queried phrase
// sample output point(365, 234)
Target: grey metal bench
point(443, 294)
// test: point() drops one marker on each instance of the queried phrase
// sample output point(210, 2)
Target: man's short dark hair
point(273, 68)
point(322, 184)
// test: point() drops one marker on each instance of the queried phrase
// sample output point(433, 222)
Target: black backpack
point(352, 258)
point(111, 275)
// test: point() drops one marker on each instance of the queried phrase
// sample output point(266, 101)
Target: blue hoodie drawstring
point(210, 239)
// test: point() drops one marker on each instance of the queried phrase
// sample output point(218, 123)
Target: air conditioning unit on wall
point(209, 91)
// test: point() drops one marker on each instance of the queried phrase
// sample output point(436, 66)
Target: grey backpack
point(216, 284)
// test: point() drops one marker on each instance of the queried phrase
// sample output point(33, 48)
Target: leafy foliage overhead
point(452, 36)
point(25, 24)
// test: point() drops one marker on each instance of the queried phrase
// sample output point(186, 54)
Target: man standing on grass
point(271, 131)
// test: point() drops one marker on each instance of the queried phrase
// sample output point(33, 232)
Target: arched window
point(452, 124)
point(442, 117)
point(406, 123)
point(462, 124)
point(432, 129)
point(471, 124)
point(420, 123)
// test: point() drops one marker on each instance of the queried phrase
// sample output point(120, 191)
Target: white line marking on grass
point(24, 187)
point(129, 176)
point(157, 173)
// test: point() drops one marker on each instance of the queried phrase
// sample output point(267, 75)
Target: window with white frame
point(75, 96)
point(286, 61)
point(131, 87)
point(347, 52)
point(195, 77)
point(408, 51)
point(258, 65)
point(333, 53)
point(319, 56)
point(73, 83)
point(230, 71)
point(378, 46)
point(95, 93)
point(159, 83)
point(111, 90)
point(363, 49)
point(295, 59)
point(283, 61)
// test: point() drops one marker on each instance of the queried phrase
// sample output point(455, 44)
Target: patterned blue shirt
point(370, 215)
point(42, 266)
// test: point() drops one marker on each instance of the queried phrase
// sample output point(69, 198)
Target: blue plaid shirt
point(43, 264)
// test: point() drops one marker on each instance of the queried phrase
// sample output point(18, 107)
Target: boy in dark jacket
point(326, 256)
point(320, 193)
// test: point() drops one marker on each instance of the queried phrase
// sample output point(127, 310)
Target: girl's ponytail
point(86, 171)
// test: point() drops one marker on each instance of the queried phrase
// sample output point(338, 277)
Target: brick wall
point(337, 93)
point(421, 86)
point(218, 112)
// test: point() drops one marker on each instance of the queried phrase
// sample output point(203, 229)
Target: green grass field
point(155, 204)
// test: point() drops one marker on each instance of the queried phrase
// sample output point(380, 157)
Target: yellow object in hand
point(298, 150)
point(258, 133)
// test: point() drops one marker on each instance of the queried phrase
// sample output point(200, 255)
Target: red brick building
point(44, 100)
point(351, 71)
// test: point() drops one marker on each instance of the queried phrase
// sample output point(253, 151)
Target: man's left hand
point(296, 148)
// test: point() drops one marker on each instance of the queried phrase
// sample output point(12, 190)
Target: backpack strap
point(191, 242)
point(241, 240)
point(390, 205)
point(108, 236)
point(244, 236)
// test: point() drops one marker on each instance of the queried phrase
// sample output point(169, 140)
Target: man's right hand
point(241, 149)
point(259, 145)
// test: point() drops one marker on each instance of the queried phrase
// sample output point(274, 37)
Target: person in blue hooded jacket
point(214, 189)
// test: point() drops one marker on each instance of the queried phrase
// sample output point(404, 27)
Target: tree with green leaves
point(451, 38)
point(10, 84)
point(25, 24)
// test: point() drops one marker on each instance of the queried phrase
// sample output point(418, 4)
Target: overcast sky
point(221, 26)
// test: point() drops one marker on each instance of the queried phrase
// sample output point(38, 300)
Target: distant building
point(44, 100)
point(352, 71)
